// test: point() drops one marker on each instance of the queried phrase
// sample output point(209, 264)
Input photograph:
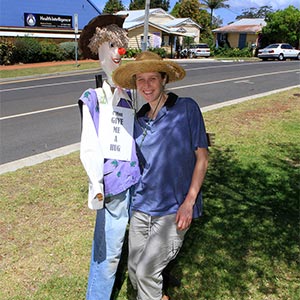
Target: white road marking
point(37, 112)
point(39, 158)
point(174, 88)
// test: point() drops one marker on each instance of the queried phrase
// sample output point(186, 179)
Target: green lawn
point(71, 66)
point(246, 246)
point(10, 73)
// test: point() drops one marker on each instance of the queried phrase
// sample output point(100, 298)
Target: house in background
point(56, 20)
point(240, 34)
point(165, 31)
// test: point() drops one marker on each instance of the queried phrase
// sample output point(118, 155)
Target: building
point(56, 19)
point(44, 19)
point(164, 30)
point(240, 34)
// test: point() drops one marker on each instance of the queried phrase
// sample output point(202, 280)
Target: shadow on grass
point(246, 245)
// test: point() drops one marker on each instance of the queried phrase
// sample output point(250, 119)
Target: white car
point(279, 51)
point(199, 50)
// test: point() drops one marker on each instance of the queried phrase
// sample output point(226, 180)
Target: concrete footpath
point(39, 158)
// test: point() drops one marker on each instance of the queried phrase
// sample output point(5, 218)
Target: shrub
point(232, 52)
point(68, 49)
point(50, 52)
point(160, 51)
point(132, 52)
point(6, 53)
point(27, 50)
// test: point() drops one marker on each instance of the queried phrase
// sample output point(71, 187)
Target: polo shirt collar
point(171, 100)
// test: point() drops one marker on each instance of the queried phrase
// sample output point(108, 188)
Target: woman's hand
point(184, 215)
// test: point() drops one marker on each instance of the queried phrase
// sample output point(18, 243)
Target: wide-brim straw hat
point(146, 62)
point(89, 30)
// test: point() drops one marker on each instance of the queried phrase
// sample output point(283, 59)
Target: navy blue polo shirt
point(166, 150)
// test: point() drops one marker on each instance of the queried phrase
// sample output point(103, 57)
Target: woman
point(172, 146)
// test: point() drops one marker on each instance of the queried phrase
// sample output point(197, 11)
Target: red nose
point(122, 51)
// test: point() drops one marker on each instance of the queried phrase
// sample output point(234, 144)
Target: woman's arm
point(185, 212)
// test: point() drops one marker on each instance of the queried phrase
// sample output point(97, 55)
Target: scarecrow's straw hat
point(89, 30)
point(146, 62)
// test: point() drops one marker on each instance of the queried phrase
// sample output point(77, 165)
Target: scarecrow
point(107, 152)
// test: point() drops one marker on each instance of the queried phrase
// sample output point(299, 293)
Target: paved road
point(41, 114)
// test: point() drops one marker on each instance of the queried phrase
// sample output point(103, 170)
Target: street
point(41, 114)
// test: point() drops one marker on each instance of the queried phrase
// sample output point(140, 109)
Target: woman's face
point(149, 85)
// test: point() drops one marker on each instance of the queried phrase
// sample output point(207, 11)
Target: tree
point(175, 9)
point(217, 22)
point(164, 4)
point(214, 4)
point(282, 26)
point(192, 9)
point(189, 9)
point(112, 6)
point(140, 4)
point(254, 12)
point(206, 33)
point(137, 4)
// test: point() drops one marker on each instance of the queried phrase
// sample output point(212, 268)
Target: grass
point(11, 73)
point(246, 246)
point(67, 67)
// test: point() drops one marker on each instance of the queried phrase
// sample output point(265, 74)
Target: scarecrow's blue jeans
point(107, 245)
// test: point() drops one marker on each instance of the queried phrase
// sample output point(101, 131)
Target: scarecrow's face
point(109, 58)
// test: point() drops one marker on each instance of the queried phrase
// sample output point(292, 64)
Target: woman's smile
point(149, 85)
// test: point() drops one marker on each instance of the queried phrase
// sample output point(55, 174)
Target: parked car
point(279, 51)
point(199, 50)
point(196, 50)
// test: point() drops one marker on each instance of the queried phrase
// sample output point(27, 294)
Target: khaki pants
point(153, 243)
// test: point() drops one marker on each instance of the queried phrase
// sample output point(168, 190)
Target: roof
point(136, 18)
point(180, 22)
point(243, 26)
point(139, 15)
point(132, 25)
point(175, 31)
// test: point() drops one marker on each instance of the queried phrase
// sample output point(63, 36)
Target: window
point(148, 42)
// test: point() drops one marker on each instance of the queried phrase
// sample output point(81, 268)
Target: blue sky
point(236, 6)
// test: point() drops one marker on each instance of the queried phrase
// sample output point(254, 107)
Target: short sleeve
point(197, 125)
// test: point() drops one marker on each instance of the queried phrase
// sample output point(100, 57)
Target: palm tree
point(214, 4)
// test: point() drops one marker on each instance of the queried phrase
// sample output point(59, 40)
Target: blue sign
point(50, 21)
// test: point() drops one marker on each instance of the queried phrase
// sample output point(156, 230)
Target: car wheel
point(298, 56)
point(281, 57)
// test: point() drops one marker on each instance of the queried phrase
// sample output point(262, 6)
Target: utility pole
point(146, 26)
point(76, 32)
